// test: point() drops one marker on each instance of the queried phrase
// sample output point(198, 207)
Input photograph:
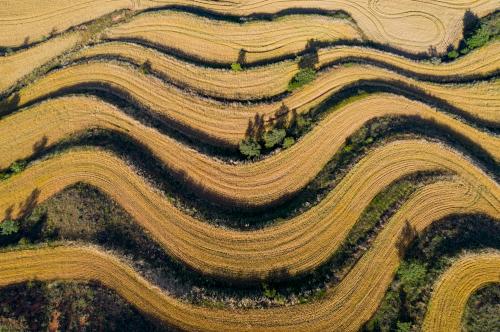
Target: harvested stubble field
point(201, 117)
point(181, 81)
point(252, 184)
point(296, 245)
point(451, 292)
point(411, 25)
point(247, 42)
point(271, 80)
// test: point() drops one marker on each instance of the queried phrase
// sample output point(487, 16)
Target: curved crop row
point(232, 42)
point(269, 81)
point(454, 288)
point(254, 184)
point(346, 307)
point(298, 245)
point(202, 117)
point(409, 25)
point(14, 67)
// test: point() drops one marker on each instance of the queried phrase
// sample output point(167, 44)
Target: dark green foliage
point(145, 68)
point(288, 142)
point(427, 257)
point(273, 138)
point(16, 167)
point(477, 33)
point(8, 227)
point(303, 77)
point(250, 148)
point(69, 306)
point(483, 310)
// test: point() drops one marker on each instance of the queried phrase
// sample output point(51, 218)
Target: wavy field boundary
point(454, 288)
point(232, 42)
point(200, 117)
point(298, 245)
point(345, 307)
point(16, 66)
point(272, 80)
point(254, 184)
point(409, 25)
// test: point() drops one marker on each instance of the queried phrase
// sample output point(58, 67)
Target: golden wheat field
point(175, 165)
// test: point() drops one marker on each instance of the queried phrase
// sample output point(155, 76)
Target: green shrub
point(250, 148)
point(300, 79)
point(17, 166)
point(236, 67)
point(288, 142)
point(8, 227)
point(478, 39)
point(403, 327)
point(274, 137)
point(453, 54)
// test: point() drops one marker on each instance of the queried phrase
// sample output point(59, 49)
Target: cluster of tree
point(476, 33)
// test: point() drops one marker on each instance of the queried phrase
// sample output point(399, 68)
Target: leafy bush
point(478, 39)
point(236, 67)
point(250, 148)
point(17, 166)
point(9, 227)
point(453, 54)
point(288, 142)
point(403, 327)
point(300, 79)
point(274, 137)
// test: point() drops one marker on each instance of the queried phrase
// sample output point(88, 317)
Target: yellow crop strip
point(203, 116)
point(406, 24)
point(454, 288)
point(252, 184)
point(271, 80)
point(297, 245)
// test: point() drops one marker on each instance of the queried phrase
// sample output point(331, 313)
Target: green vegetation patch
point(303, 77)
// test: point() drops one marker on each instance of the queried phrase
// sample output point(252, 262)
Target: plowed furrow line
point(252, 184)
point(272, 80)
point(297, 245)
point(223, 41)
point(345, 307)
point(410, 25)
point(454, 288)
point(200, 116)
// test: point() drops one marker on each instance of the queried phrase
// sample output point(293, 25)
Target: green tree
point(250, 148)
point(288, 142)
point(9, 227)
point(273, 138)
point(303, 77)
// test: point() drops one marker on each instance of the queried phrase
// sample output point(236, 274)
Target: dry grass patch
point(409, 25)
point(345, 307)
point(16, 66)
point(25, 22)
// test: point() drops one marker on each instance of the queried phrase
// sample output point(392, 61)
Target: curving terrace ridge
point(224, 41)
point(156, 73)
point(409, 25)
point(200, 117)
point(345, 307)
point(253, 184)
point(272, 80)
point(297, 245)
point(454, 288)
